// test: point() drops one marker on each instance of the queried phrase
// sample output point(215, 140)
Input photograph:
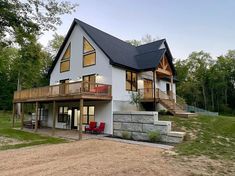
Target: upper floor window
point(131, 81)
point(89, 54)
point(65, 61)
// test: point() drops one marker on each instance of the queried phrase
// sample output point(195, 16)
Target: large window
point(89, 54)
point(131, 81)
point(63, 114)
point(65, 61)
point(88, 114)
point(89, 82)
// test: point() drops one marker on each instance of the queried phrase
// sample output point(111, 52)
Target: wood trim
point(164, 67)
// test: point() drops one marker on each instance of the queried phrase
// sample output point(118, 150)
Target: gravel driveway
point(89, 157)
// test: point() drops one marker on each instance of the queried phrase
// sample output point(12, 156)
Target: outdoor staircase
point(175, 109)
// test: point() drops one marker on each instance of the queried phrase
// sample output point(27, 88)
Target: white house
point(99, 72)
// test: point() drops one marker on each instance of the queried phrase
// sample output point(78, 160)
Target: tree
point(144, 40)
point(21, 18)
point(55, 43)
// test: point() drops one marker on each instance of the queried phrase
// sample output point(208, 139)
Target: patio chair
point(91, 126)
point(99, 129)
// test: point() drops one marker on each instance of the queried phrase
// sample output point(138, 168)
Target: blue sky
point(188, 25)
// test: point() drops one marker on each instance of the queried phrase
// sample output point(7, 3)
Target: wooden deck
point(65, 92)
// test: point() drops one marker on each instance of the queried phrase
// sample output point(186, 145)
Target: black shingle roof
point(120, 53)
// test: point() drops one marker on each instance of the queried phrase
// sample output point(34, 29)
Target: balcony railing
point(64, 90)
point(148, 93)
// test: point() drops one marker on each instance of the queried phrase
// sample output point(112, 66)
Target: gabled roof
point(120, 53)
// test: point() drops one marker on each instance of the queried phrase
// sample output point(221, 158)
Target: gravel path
point(90, 157)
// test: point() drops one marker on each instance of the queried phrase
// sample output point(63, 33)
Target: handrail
point(147, 93)
point(64, 89)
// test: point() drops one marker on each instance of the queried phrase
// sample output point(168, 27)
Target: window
point(65, 61)
point(63, 114)
point(131, 81)
point(88, 114)
point(89, 54)
point(89, 82)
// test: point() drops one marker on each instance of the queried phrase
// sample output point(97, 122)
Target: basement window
point(63, 114)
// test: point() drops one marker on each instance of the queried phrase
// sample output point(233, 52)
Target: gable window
point(63, 114)
point(65, 61)
point(131, 81)
point(89, 54)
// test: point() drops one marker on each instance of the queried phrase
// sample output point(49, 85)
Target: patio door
point(75, 118)
point(88, 116)
point(89, 83)
point(63, 87)
point(148, 88)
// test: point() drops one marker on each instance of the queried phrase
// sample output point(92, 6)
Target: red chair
point(99, 129)
point(91, 126)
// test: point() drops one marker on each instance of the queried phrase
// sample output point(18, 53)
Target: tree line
point(208, 83)
point(24, 62)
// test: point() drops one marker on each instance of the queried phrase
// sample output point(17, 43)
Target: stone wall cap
point(135, 113)
point(162, 123)
point(176, 134)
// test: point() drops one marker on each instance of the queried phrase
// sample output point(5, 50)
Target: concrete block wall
point(139, 123)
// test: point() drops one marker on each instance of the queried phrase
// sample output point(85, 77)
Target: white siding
point(102, 67)
point(103, 113)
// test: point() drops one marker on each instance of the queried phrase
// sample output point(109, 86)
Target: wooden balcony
point(66, 91)
point(147, 94)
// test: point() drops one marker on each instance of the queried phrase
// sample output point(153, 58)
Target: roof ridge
point(151, 42)
point(150, 52)
point(105, 33)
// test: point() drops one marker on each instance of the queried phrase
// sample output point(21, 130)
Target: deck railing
point(65, 89)
point(148, 93)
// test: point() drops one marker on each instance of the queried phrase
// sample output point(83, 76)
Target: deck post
point(80, 119)
point(54, 117)
point(172, 96)
point(154, 89)
point(22, 116)
point(172, 87)
point(36, 118)
point(13, 115)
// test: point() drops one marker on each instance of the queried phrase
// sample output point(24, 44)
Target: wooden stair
point(175, 109)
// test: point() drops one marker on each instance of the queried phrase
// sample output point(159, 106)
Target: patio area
point(66, 134)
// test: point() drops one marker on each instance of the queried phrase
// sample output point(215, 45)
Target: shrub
point(162, 112)
point(126, 135)
point(154, 136)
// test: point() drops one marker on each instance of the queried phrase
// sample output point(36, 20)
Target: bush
point(154, 136)
point(162, 112)
point(126, 135)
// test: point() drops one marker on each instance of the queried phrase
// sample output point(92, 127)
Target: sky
point(187, 25)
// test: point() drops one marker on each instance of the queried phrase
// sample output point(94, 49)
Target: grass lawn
point(20, 138)
point(206, 135)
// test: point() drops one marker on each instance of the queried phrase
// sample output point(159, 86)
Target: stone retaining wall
point(138, 124)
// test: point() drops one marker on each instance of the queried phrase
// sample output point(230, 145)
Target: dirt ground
point(104, 157)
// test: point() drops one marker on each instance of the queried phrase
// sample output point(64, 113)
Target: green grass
point(26, 138)
point(215, 136)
